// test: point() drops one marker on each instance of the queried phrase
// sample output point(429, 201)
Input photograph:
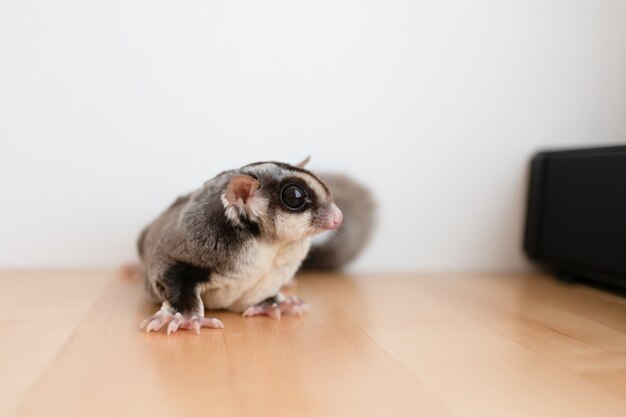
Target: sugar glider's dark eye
point(293, 197)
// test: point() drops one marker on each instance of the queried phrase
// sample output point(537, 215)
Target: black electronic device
point(576, 213)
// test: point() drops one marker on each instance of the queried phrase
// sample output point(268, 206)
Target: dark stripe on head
point(292, 168)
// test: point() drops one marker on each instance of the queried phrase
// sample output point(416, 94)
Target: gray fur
point(194, 247)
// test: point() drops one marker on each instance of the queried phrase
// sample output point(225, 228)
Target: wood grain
point(38, 312)
point(385, 344)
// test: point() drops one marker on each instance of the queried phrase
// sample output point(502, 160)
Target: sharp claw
point(172, 327)
point(175, 323)
point(212, 323)
point(153, 325)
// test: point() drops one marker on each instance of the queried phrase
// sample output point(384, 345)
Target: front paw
point(177, 321)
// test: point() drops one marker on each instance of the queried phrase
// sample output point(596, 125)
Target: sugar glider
point(233, 243)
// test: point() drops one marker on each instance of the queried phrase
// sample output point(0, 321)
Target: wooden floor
point(373, 345)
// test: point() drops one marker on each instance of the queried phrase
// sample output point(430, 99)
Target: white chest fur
point(263, 270)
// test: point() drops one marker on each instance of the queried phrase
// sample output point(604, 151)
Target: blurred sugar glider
point(233, 243)
point(333, 250)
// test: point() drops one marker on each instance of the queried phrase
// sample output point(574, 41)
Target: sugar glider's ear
point(303, 163)
point(241, 190)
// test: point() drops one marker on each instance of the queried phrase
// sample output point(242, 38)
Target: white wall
point(109, 109)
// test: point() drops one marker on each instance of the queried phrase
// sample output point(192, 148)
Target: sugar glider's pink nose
point(334, 217)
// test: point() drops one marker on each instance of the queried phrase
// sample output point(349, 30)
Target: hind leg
point(278, 305)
